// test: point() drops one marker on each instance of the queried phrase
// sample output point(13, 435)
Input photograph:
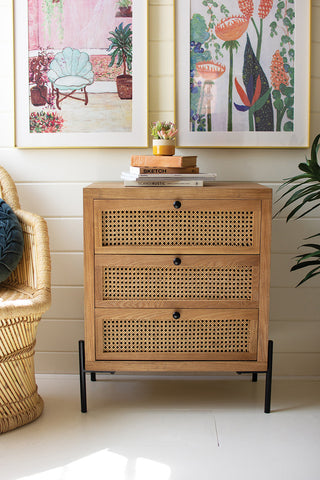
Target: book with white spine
point(151, 177)
point(164, 183)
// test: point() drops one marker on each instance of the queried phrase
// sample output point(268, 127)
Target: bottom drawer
point(183, 334)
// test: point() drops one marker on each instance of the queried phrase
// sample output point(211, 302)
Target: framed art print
point(81, 73)
point(242, 73)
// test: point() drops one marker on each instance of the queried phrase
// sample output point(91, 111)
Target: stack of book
point(152, 170)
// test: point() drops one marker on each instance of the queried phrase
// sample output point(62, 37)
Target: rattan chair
point(24, 297)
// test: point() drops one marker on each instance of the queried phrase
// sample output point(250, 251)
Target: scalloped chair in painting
point(25, 294)
point(70, 71)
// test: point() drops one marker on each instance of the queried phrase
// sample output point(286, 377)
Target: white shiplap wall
point(50, 183)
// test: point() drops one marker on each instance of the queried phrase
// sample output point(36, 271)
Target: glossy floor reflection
point(168, 428)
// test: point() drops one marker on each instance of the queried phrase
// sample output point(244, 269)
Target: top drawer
point(152, 226)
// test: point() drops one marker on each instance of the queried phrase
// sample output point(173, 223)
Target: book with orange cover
point(163, 161)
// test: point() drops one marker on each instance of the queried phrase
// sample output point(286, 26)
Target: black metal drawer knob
point(177, 261)
point(177, 204)
point(176, 315)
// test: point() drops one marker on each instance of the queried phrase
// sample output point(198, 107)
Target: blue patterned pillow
point(11, 241)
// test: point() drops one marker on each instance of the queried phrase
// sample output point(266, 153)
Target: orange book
point(161, 170)
point(163, 161)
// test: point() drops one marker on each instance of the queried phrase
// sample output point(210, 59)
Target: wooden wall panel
point(50, 182)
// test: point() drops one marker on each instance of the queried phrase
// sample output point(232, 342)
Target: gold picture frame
point(240, 81)
point(57, 65)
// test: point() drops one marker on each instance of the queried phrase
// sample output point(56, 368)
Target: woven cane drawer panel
point(155, 279)
point(232, 225)
point(204, 335)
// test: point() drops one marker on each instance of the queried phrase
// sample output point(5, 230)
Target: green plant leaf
point(311, 274)
point(290, 12)
point(309, 263)
point(276, 94)
point(288, 127)
point(289, 101)
point(120, 47)
point(305, 256)
point(296, 196)
point(291, 189)
point(287, 91)
point(288, 181)
point(278, 104)
point(314, 149)
point(290, 113)
point(308, 211)
point(312, 245)
point(303, 190)
point(261, 102)
point(303, 214)
point(305, 167)
point(313, 236)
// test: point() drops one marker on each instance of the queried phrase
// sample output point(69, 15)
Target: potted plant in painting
point(125, 9)
point(304, 197)
point(38, 68)
point(121, 50)
point(164, 134)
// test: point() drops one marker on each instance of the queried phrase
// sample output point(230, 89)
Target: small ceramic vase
point(164, 147)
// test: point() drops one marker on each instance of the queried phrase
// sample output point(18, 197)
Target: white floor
point(142, 428)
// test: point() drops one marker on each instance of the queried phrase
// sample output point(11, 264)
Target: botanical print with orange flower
point(242, 59)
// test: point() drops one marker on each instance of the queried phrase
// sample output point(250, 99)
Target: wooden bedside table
point(176, 280)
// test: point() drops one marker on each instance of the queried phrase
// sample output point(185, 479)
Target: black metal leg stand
point(93, 376)
point(83, 388)
point(268, 378)
point(254, 376)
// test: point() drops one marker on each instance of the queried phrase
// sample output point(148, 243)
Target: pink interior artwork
point(74, 72)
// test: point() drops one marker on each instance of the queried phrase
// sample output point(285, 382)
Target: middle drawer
point(169, 281)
